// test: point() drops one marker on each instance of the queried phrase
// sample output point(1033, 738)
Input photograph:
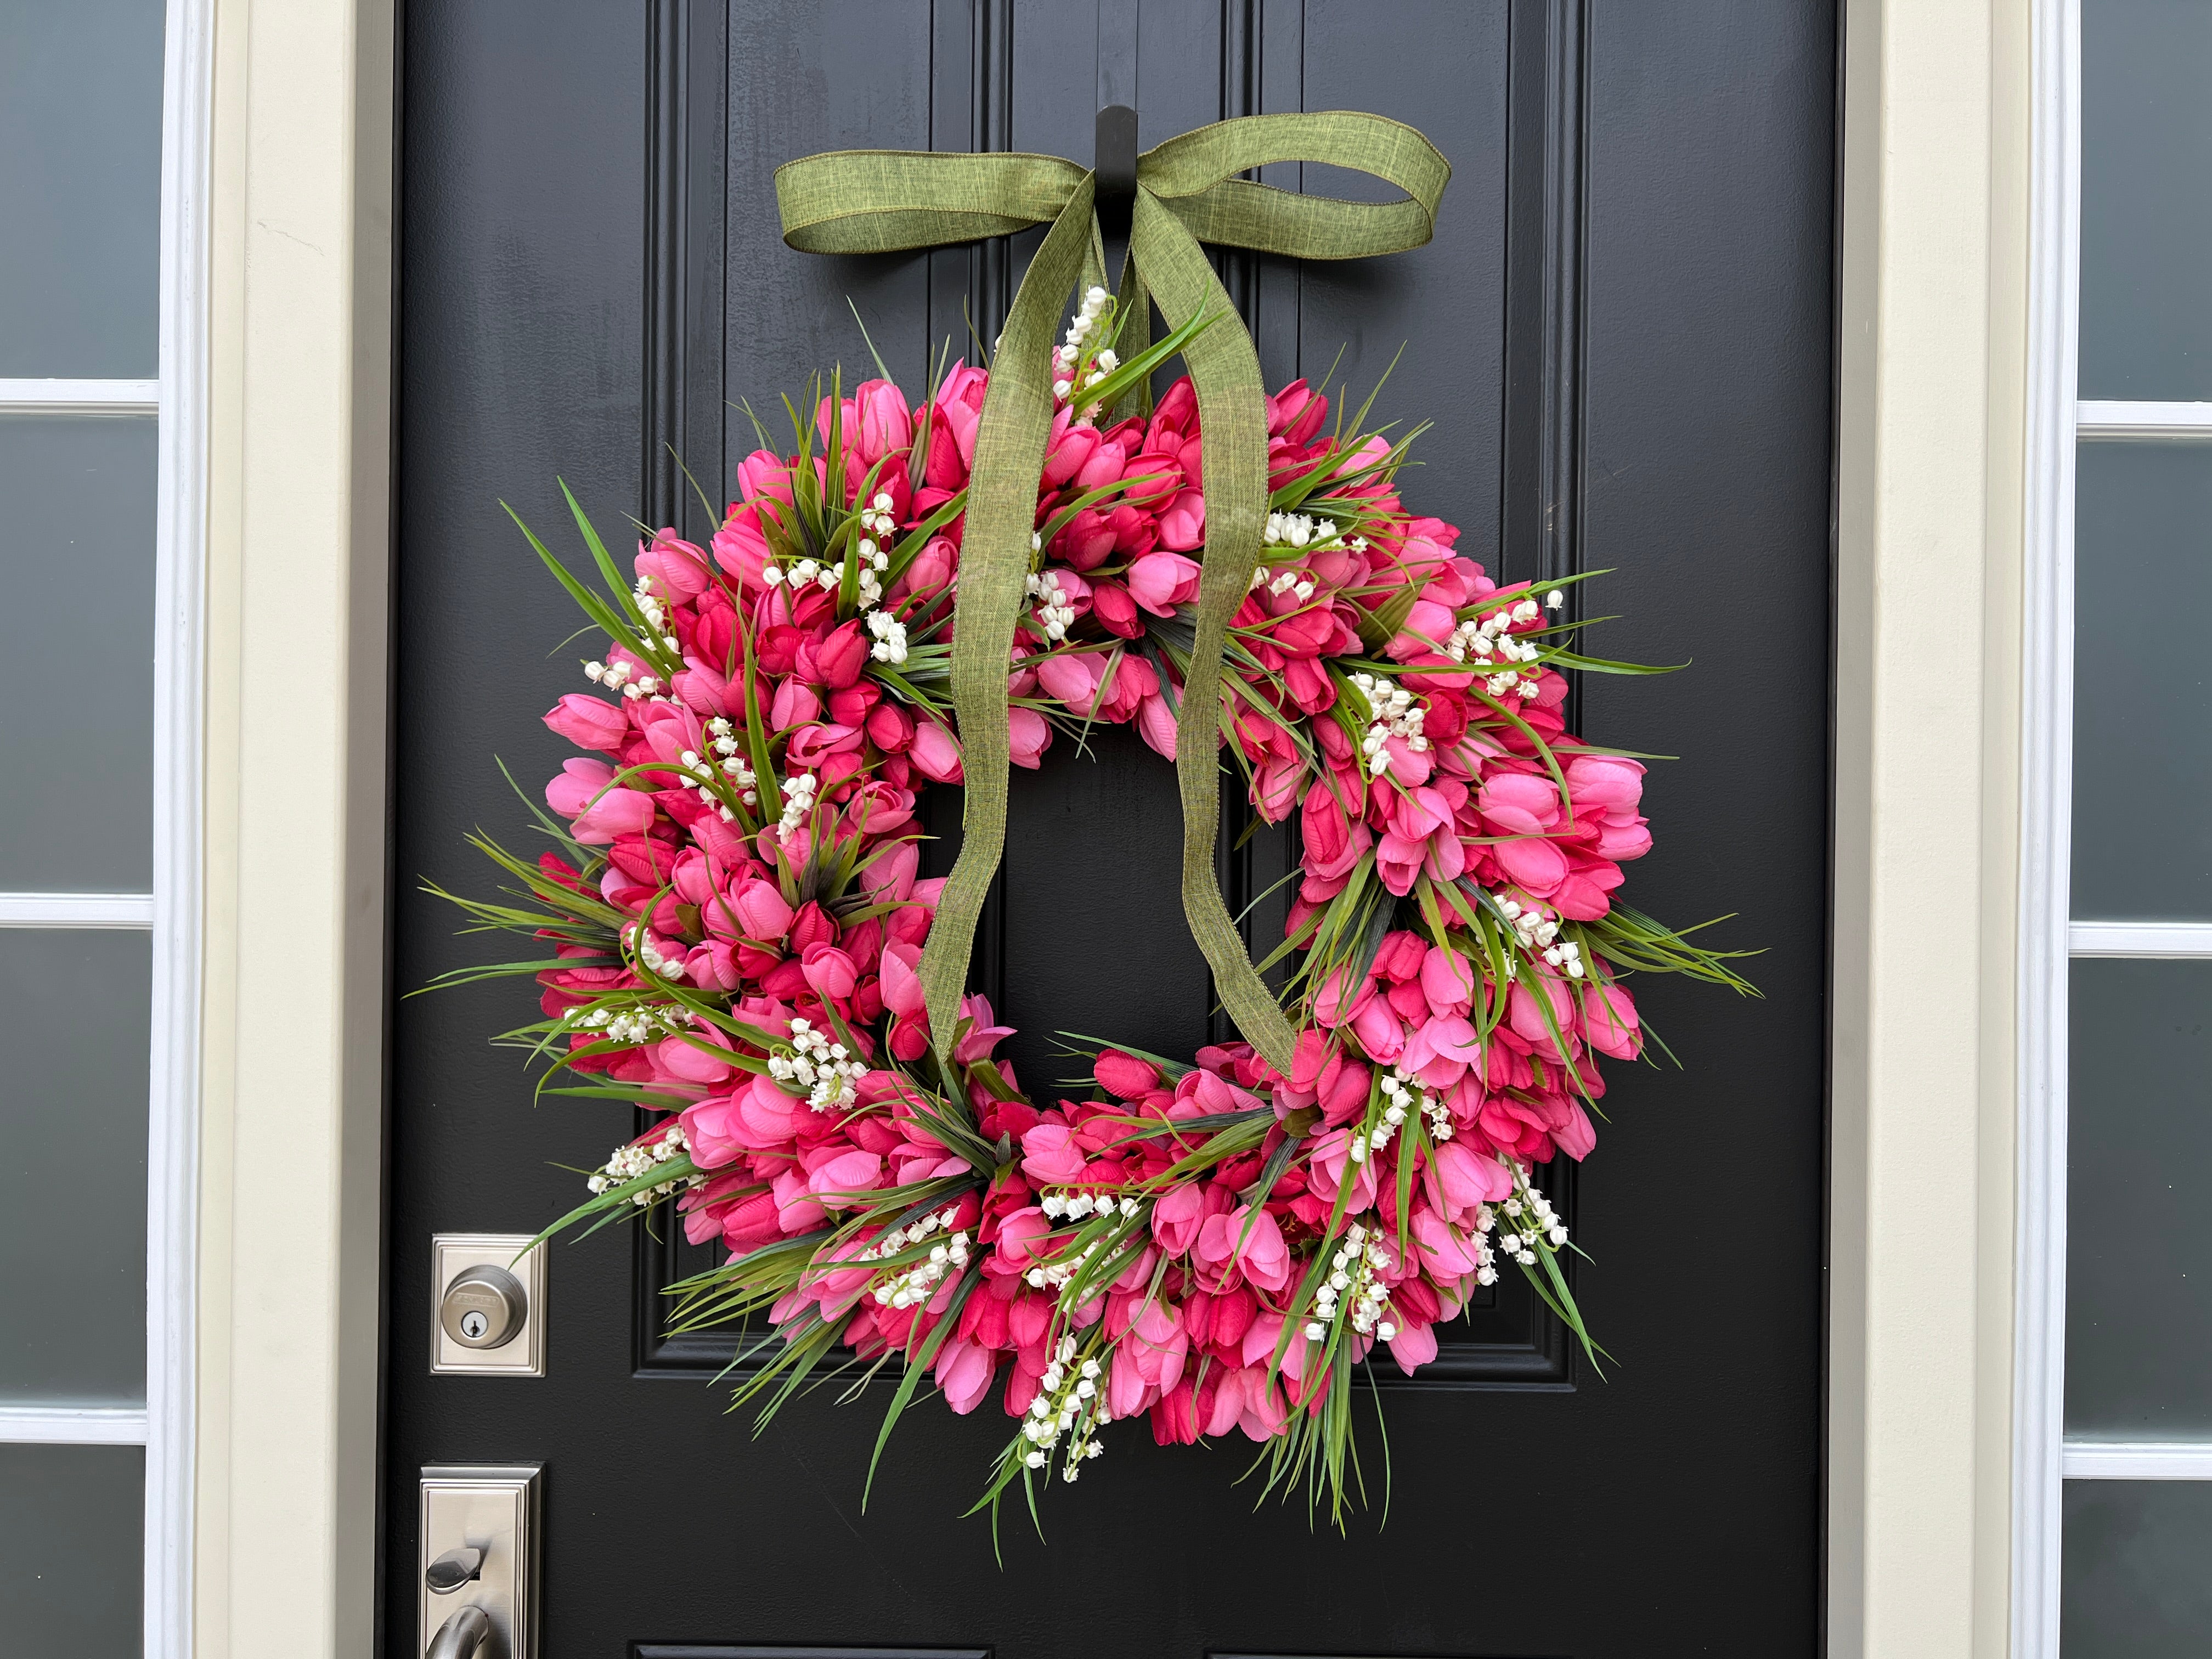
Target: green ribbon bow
point(1188, 191)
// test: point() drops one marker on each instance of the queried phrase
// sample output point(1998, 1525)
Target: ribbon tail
point(1224, 371)
point(994, 558)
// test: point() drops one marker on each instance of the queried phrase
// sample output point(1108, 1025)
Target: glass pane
point(2146, 223)
point(72, 1550)
point(76, 630)
point(75, 1008)
point(2139, 1215)
point(80, 187)
point(2143, 681)
point(2134, 1581)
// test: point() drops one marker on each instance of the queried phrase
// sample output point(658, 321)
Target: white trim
point(80, 396)
point(2095, 419)
point(2140, 939)
point(2046, 829)
point(180, 587)
point(2138, 1459)
point(77, 909)
point(72, 1425)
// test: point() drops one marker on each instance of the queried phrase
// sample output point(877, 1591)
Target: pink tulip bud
point(761, 910)
point(935, 756)
point(1161, 581)
point(1028, 736)
point(588, 722)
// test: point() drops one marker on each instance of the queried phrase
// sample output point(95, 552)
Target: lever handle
point(453, 1568)
point(466, 1634)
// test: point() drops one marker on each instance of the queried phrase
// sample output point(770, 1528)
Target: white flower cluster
point(1393, 713)
point(1355, 1274)
point(1077, 1205)
point(1288, 579)
point(890, 637)
point(614, 676)
point(876, 519)
point(722, 739)
point(1402, 1093)
point(1069, 1402)
point(1055, 611)
point(1302, 529)
point(915, 1285)
point(799, 800)
point(669, 968)
point(1530, 1220)
point(1491, 644)
point(643, 1024)
point(1540, 933)
point(824, 576)
point(640, 1158)
point(822, 1067)
point(650, 607)
point(1051, 1275)
point(1069, 352)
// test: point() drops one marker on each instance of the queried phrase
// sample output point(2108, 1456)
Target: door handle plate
point(493, 1508)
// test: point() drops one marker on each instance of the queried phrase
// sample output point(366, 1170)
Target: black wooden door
point(1622, 333)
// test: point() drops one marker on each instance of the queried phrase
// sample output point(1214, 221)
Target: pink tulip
point(1028, 736)
point(1124, 1076)
point(1468, 1178)
point(935, 756)
point(881, 422)
point(830, 971)
point(846, 1173)
point(1579, 1136)
point(1183, 526)
point(901, 985)
point(1413, 1346)
point(579, 782)
point(1161, 581)
point(761, 910)
point(1609, 1022)
point(600, 812)
point(1156, 723)
point(588, 722)
point(1073, 677)
point(1177, 1216)
point(1608, 780)
point(1447, 982)
point(1247, 1239)
point(1050, 1155)
point(1520, 803)
point(964, 1371)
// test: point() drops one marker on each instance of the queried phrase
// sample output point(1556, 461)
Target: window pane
point(75, 1010)
point(2143, 681)
point(2146, 222)
point(2134, 1581)
point(72, 1550)
point(76, 630)
point(2139, 1217)
point(80, 187)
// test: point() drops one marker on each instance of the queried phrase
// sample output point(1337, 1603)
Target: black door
point(1622, 333)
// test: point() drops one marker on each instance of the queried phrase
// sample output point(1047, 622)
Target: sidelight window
point(102, 137)
point(2116, 1420)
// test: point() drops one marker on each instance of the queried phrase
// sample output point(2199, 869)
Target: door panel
point(1621, 335)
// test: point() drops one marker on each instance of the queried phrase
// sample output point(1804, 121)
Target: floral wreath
point(738, 930)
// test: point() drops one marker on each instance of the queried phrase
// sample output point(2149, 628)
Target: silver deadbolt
point(487, 1305)
point(483, 1306)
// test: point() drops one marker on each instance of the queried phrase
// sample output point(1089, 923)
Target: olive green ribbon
point(1188, 191)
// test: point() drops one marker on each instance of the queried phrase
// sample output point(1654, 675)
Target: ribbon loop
point(1188, 191)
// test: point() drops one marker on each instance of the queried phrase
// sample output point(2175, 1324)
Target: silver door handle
point(466, 1634)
